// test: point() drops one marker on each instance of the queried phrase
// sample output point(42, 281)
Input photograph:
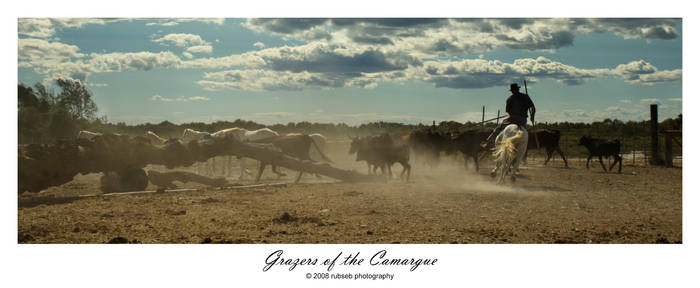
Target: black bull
point(547, 139)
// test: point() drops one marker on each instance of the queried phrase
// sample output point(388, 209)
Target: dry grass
point(447, 205)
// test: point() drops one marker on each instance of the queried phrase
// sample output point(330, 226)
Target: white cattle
point(155, 139)
point(87, 135)
point(189, 135)
point(245, 135)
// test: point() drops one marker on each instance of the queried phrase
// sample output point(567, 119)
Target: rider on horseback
point(517, 107)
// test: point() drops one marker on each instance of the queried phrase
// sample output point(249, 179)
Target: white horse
point(511, 145)
point(245, 135)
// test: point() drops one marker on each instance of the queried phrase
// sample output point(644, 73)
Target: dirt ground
point(444, 205)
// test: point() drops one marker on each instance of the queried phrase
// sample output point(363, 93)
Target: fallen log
point(44, 165)
point(165, 179)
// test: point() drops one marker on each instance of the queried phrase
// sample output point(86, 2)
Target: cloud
point(480, 73)
point(179, 99)
point(477, 35)
point(38, 49)
point(199, 98)
point(187, 55)
point(166, 24)
point(175, 21)
point(675, 99)
point(143, 61)
point(650, 100)
point(264, 80)
point(200, 49)
point(259, 45)
point(181, 39)
point(632, 28)
point(642, 72)
point(46, 27)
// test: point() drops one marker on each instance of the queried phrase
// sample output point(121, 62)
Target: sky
point(358, 70)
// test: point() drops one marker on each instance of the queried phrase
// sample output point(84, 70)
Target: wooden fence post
point(654, 131)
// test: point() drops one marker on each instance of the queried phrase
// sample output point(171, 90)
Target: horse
point(511, 145)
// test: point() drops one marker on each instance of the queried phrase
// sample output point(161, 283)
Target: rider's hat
point(514, 87)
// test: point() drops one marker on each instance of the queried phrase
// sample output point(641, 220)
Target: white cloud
point(179, 99)
point(675, 99)
point(642, 72)
point(479, 73)
point(259, 45)
point(199, 98)
point(650, 100)
point(46, 27)
point(182, 39)
point(144, 61)
point(38, 49)
point(166, 24)
point(200, 49)
point(187, 55)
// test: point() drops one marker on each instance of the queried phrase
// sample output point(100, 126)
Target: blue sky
point(358, 70)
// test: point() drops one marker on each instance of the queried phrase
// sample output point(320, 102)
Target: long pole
point(483, 112)
point(537, 140)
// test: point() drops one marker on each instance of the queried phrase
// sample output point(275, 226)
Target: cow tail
point(319, 151)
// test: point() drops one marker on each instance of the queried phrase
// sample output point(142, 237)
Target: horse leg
point(298, 177)
point(388, 167)
point(525, 157)
point(600, 158)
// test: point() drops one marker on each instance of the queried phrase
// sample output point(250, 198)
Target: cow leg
point(589, 160)
point(617, 159)
point(566, 164)
point(407, 168)
point(298, 177)
point(241, 164)
point(276, 170)
point(600, 158)
point(260, 171)
point(549, 151)
point(388, 167)
point(476, 161)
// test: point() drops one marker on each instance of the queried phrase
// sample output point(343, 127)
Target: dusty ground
point(445, 205)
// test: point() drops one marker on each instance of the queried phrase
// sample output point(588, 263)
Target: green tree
point(76, 99)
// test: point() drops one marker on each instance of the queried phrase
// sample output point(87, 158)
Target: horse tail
point(506, 153)
point(506, 150)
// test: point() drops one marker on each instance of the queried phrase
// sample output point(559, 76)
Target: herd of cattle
point(384, 150)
